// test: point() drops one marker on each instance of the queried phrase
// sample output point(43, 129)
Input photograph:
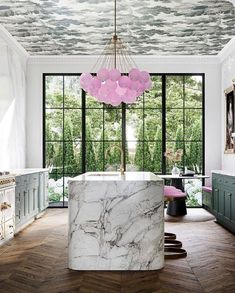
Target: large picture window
point(81, 134)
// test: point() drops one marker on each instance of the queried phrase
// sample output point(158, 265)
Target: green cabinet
point(215, 195)
point(223, 194)
point(30, 197)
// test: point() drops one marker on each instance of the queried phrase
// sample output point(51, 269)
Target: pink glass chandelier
point(118, 79)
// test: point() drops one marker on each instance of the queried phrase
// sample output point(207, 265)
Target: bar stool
point(173, 194)
point(172, 247)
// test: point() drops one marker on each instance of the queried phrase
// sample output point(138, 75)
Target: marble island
point(116, 221)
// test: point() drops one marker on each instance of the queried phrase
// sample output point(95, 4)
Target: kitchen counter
point(224, 172)
point(116, 222)
point(27, 171)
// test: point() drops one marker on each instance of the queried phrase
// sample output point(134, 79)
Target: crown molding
point(148, 59)
point(232, 1)
point(13, 44)
point(227, 50)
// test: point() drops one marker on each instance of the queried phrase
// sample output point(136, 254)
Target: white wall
point(12, 102)
point(210, 66)
point(228, 74)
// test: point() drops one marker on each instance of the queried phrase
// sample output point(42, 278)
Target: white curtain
point(12, 109)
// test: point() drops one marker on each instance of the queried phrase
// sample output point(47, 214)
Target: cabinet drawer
point(217, 176)
point(229, 182)
point(33, 179)
point(21, 180)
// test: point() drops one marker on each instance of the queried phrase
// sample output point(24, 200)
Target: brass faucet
point(122, 156)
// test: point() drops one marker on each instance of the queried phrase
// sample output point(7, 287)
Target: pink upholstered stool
point(171, 194)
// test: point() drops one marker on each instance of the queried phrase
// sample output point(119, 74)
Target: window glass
point(82, 134)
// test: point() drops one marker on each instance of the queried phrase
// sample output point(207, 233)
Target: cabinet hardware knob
point(5, 206)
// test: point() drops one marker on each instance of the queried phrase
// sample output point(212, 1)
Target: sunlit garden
point(80, 132)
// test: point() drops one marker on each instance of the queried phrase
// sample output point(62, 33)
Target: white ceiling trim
point(13, 43)
point(227, 50)
point(140, 60)
point(232, 1)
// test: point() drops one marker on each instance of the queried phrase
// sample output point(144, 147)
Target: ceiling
point(150, 27)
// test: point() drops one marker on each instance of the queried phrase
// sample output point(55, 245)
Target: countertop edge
point(20, 172)
point(224, 172)
point(137, 177)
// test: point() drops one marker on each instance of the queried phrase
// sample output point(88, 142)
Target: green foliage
point(58, 160)
point(113, 154)
point(153, 98)
point(90, 152)
point(193, 188)
point(127, 156)
point(50, 150)
point(179, 145)
point(179, 138)
point(53, 196)
point(139, 149)
point(195, 154)
point(192, 201)
point(100, 155)
point(68, 146)
point(148, 166)
point(157, 152)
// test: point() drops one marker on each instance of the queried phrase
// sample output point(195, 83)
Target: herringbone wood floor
point(36, 261)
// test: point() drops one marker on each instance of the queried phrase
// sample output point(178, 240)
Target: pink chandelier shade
point(110, 87)
point(118, 80)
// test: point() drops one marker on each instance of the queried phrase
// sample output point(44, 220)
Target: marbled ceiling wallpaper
point(150, 27)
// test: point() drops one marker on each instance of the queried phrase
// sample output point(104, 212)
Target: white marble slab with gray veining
point(116, 222)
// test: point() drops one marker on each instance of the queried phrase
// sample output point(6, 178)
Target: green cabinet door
point(215, 195)
point(221, 198)
point(229, 204)
point(223, 187)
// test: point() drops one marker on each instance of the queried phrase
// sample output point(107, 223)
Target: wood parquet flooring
point(35, 261)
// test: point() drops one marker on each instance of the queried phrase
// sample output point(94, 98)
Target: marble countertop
point(116, 176)
point(116, 222)
point(26, 171)
point(224, 172)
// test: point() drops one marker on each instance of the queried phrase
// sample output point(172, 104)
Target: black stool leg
point(177, 207)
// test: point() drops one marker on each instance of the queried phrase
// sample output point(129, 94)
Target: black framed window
point(81, 134)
